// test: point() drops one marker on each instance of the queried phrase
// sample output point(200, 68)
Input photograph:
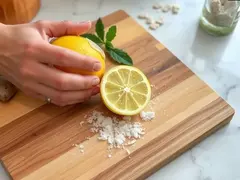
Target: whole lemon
point(83, 46)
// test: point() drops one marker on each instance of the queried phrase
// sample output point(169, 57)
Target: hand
point(25, 53)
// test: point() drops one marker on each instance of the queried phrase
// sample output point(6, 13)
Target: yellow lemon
point(125, 90)
point(82, 46)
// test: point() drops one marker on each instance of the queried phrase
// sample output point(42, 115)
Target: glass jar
point(220, 17)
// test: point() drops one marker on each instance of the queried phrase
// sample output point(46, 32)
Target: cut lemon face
point(125, 90)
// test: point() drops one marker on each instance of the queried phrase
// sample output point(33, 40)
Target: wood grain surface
point(36, 138)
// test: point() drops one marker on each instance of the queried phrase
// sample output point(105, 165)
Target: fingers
point(59, 56)
point(61, 28)
point(61, 98)
point(58, 79)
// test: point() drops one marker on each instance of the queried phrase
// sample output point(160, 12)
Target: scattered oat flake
point(175, 8)
point(166, 8)
point(127, 150)
point(131, 142)
point(159, 21)
point(149, 21)
point(156, 6)
point(81, 123)
point(143, 16)
point(82, 151)
point(154, 26)
point(87, 138)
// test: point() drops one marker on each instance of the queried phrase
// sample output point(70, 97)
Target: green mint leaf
point(111, 34)
point(108, 45)
point(120, 56)
point(93, 38)
point(100, 29)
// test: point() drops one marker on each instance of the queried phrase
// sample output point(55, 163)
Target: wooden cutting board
point(37, 138)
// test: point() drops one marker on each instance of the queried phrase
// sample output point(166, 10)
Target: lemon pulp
point(125, 90)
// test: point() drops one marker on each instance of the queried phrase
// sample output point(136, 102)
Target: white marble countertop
point(215, 59)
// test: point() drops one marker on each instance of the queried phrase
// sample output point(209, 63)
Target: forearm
point(7, 88)
point(4, 39)
point(4, 48)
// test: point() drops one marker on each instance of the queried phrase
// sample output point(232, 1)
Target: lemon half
point(82, 46)
point(125, 90)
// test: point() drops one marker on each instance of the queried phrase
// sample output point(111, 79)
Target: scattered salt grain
point(94, 130)
point(82, 151)
point(109, 155)
point(81, 146)
point(147, 116)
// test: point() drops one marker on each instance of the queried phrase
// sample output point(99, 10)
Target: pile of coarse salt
point(118, 133)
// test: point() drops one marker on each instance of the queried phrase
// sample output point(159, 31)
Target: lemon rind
point(96, 47)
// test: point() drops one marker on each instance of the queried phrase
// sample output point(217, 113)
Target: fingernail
point(95, 81)
point(96, 66)
point(95, 91)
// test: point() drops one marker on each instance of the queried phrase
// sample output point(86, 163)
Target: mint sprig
point(93, 38)
point(120, 56)
point(111, 34)
point(99, 38)
point(100, 29)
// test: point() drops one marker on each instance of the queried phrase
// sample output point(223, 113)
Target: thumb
point(57, 29)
